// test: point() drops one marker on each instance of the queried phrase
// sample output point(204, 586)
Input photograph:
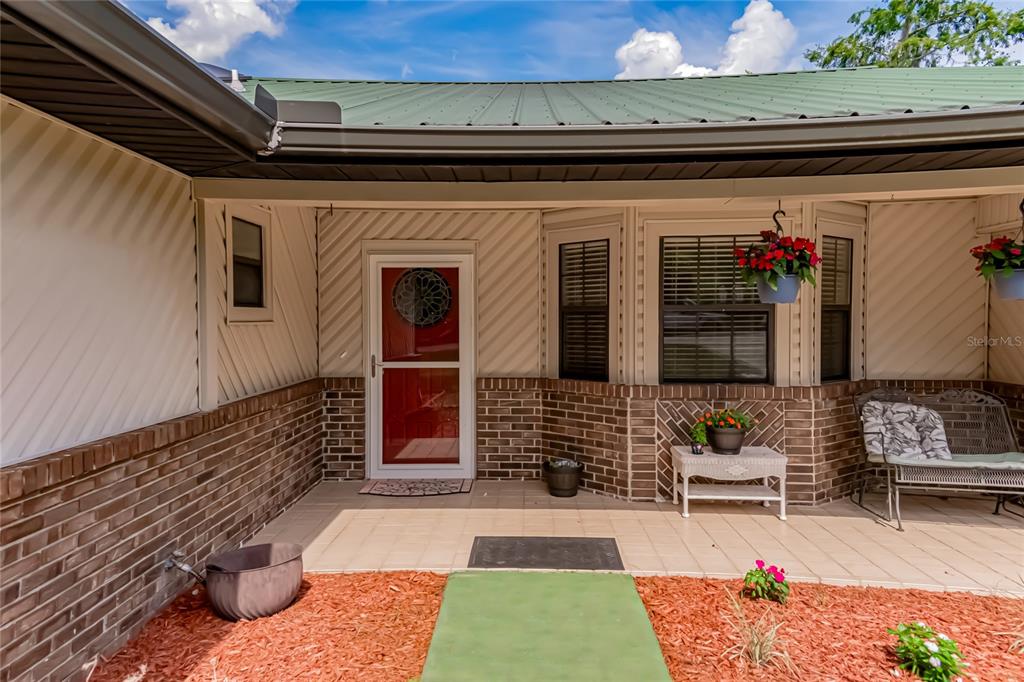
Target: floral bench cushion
point(909, 432)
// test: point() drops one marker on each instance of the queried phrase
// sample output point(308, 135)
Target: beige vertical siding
point(99, 288)
point(253, 357)
point(1000, 214)
point(924, 300)
point(508, 282)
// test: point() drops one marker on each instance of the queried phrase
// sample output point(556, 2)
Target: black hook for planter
point(780, 212)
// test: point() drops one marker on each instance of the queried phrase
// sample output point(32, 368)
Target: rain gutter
point(913, 132)
point(112, 41)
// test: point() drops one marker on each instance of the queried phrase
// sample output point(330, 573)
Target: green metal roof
point(721, 99)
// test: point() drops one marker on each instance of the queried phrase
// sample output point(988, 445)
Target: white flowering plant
point(932, 657)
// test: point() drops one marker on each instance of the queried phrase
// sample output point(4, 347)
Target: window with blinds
point(713, 326)
point(834, 289)
point(583, 310)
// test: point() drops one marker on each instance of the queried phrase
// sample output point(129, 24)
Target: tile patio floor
point(953, 544)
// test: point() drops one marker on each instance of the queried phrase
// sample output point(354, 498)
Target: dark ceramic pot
point(255, 581)
point(726, 441)
point(562, 481)
point(697, 448)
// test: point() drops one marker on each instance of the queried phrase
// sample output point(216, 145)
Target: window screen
point(247, 263)
point(713, 326)
point(835, 291)
point(583, 310)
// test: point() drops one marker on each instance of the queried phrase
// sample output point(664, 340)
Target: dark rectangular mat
point(585, 554)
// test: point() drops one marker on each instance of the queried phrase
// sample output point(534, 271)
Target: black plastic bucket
point(253, 582)
point(562, 481)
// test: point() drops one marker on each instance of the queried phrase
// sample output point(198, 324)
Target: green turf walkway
point(543, 627)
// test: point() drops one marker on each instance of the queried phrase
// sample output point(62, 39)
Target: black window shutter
point(583, 310)
point(713, 326)
point(835, 292)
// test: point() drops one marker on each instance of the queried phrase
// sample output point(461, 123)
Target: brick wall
point(344, 429)
point(508, 427)
point(678, 406)
point(85, 531)
point(1013, 394)
point(589, 422)
point(624, 434)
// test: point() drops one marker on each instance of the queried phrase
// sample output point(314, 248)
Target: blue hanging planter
point(1009, 287)
point(789, 287)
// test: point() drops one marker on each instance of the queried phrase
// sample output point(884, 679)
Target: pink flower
point(772, 568)
point(759, 563)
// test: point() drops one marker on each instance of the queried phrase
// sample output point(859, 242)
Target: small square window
point(248, 243)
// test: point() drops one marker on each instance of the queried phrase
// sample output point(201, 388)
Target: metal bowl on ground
point(253, 582)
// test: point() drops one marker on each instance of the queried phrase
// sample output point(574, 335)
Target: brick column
point(344, 428)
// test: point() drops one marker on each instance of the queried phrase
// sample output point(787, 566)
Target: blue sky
point(418, 40)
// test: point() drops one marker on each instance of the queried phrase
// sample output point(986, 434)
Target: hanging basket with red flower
point(778, 264)
point(1002, 262)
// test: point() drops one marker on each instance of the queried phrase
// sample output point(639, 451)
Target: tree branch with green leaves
point(914, 33)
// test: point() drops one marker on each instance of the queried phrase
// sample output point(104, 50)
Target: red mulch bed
point(370, 627)
point(830, 632)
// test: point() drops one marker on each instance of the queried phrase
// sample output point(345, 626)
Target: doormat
point(417, 488)
point(581, 554)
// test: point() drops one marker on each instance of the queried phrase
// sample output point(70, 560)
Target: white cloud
point(654, 54)
point(761, 41)
point(406, 71)
point(210, 29)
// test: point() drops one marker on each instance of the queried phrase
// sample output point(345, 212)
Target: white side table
point(756, 463)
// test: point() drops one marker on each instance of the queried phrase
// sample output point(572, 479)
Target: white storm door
point(420, 369)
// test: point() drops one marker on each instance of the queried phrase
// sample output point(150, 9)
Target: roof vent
point(236, 84)
point(296, 111)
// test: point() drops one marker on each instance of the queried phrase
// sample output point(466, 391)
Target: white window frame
point(554, 238)
point(655, 230)
point(855, 233)
point(264, 218)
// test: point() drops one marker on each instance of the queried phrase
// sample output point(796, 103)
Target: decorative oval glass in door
point(420, 334)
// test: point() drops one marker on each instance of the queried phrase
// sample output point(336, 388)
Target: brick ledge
point(33, 475)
